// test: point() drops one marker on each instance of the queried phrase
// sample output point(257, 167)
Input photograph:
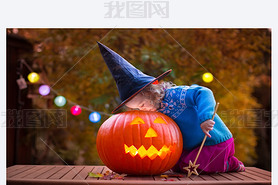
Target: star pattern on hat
point(192, 168)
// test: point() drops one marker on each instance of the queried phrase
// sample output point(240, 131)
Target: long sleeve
point(202, 98)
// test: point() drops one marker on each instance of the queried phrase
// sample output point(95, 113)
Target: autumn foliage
point(239, 60)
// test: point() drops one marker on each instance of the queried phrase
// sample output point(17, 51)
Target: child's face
point(142, 103)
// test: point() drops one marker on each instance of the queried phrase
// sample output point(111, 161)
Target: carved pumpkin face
point(139, 142)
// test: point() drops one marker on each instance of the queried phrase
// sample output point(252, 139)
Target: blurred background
point(69, 61)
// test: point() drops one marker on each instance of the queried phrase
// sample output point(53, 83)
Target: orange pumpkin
point(139, 142)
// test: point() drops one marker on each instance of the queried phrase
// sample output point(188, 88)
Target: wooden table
point(61, 174)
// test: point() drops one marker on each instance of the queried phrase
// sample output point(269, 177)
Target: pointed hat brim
point(160, 77)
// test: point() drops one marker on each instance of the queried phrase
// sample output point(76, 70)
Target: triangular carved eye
point(160, 120)
point(137, 121)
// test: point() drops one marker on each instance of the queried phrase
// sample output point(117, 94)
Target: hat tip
point(100, 45)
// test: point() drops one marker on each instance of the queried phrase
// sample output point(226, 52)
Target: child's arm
point(202, 98)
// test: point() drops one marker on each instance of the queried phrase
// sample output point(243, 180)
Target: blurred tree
point(238, 58)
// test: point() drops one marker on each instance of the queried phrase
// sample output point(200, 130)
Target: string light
point(75, 110)
point(44, 90)
point(33, 77)
point(59, 100)
point(207, 77)
point(94, 117)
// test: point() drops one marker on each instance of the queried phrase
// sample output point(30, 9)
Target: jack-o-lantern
point(139, 142)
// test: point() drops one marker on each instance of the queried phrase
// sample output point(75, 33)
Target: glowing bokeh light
point(60, 101)
point(44, 90)
point(207, 77)
point(75, 110)
point(33, 77)
point(94, 117)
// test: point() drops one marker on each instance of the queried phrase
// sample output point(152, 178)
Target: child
point(191, 107)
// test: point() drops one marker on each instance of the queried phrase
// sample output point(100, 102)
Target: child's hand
point(206, 126)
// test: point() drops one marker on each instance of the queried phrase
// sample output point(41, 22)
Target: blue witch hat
point(130, 81)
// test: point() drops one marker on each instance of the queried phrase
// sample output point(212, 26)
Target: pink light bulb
point(44, 90)
point(75, 110)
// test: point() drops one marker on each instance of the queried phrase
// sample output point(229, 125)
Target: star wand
point(192, 168)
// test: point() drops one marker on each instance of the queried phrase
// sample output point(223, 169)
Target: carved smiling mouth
point(152, 152)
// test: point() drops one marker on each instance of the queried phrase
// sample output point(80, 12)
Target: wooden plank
point(207, 178)
point(97, 169)
point(61, 173)
point(171, 176)
point(47, 174)
point(219, 177)
point(242, 177)
point(83, 173)
point(255, 177)
point(107, 182)
point(139, 178)
point(168, 177)
point(107, 170)
point(159, 178)
point(72, 173)
point(38, 172)
point(266, 177)
point(27, 172)
point(50, 172)
point(185, 179)
point(171, 179)
point(196, 178)
point(258, 170)
point(230, 177)
point(13, 173)
point(14, 168)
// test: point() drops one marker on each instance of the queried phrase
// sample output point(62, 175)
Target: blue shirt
point(189, 106)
